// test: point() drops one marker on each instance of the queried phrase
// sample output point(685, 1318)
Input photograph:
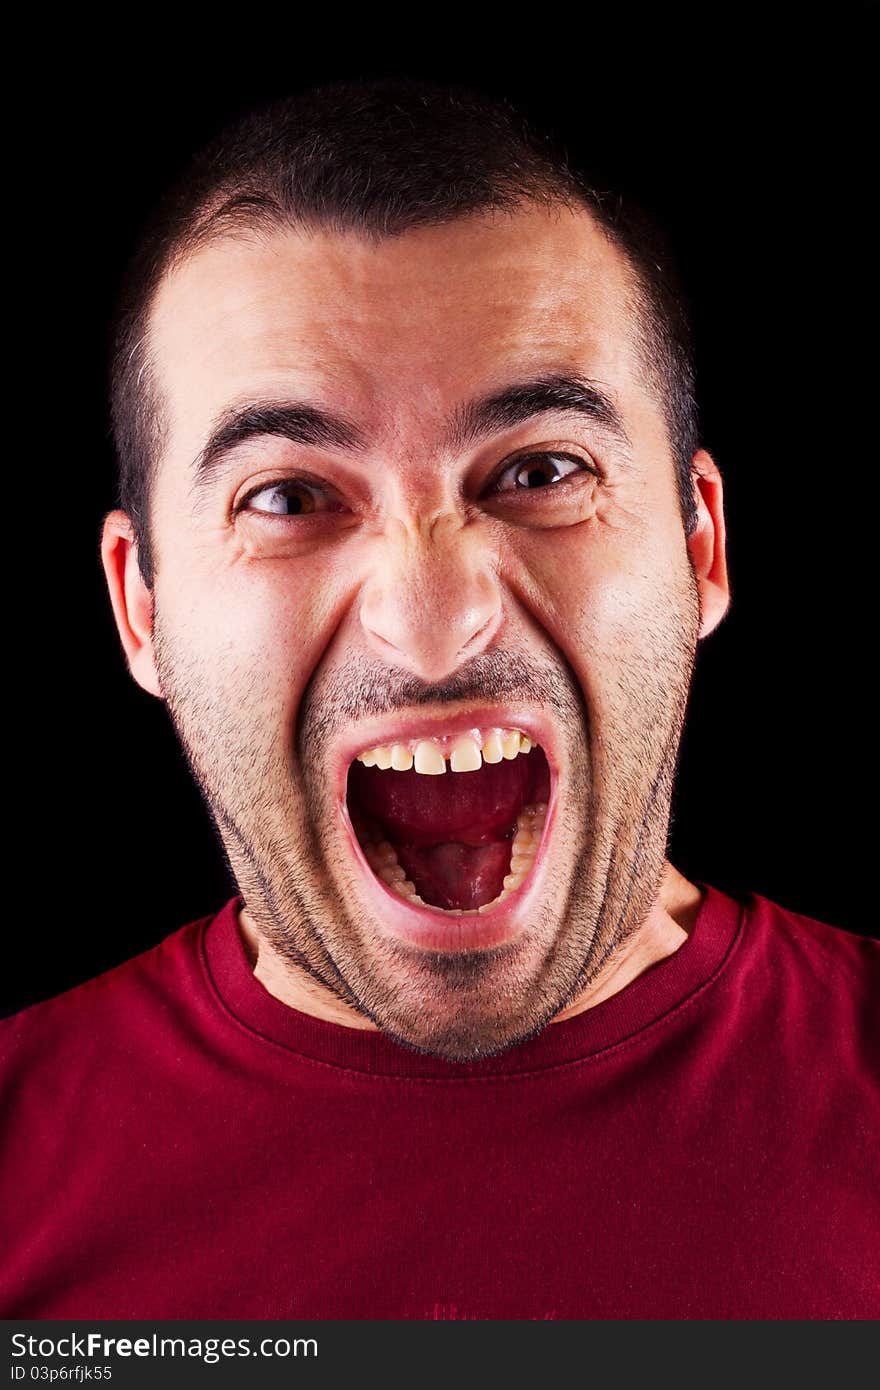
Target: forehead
point(397, 332)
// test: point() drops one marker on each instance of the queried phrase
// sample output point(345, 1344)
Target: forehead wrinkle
point(473, 419)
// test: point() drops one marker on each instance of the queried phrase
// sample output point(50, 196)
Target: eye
point(290, 497)
point(531, 471)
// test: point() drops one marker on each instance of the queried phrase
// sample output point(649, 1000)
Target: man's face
point(428, 580)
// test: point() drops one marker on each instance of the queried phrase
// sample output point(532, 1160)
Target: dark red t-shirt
point(702, 1144)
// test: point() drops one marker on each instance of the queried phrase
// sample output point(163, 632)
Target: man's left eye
point(532, 471)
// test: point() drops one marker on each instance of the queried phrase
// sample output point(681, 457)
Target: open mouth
point(454, 823)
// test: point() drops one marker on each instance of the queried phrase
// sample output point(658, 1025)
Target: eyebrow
point(306, 423)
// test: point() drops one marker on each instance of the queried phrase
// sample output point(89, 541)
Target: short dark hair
point(378, 156)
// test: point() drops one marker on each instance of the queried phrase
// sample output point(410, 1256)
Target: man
point(417, 542)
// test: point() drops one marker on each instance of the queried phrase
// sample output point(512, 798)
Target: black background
point(747, 133)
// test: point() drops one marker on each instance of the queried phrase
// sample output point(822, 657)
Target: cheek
point(585, 583)
point(619, 608)
point(260, 622)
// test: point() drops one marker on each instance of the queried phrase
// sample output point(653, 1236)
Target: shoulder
point(812, 944)
point(800, 977)
point(793, 1005)
point(109, 1008)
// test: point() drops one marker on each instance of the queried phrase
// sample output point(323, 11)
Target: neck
point(665, 929)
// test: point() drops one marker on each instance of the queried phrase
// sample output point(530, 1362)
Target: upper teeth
point(466, 753)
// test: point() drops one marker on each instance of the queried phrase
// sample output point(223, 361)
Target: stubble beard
point(284, 846)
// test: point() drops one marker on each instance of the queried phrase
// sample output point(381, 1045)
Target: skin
point(270, 640)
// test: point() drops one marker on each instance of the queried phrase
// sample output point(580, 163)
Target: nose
point(432, 600)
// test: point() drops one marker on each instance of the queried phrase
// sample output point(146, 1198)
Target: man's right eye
point(289, 497)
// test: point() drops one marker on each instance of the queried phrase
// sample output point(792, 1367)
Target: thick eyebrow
point(294, 420)
point(557, 393)
point(304, 423)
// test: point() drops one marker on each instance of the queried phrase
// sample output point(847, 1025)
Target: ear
point(132, 601)
point(707, 544)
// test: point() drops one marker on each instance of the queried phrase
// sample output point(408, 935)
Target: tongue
point(452, 833)
point(457, 875)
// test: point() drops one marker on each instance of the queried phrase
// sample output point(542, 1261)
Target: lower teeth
point(382, 858)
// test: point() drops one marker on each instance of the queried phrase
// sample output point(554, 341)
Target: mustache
point(348, 694)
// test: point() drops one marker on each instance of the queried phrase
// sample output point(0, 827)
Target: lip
point(427, 927)
point(375, 733)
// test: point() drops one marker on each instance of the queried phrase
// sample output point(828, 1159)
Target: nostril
point(432, 616)
point(482, 635)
